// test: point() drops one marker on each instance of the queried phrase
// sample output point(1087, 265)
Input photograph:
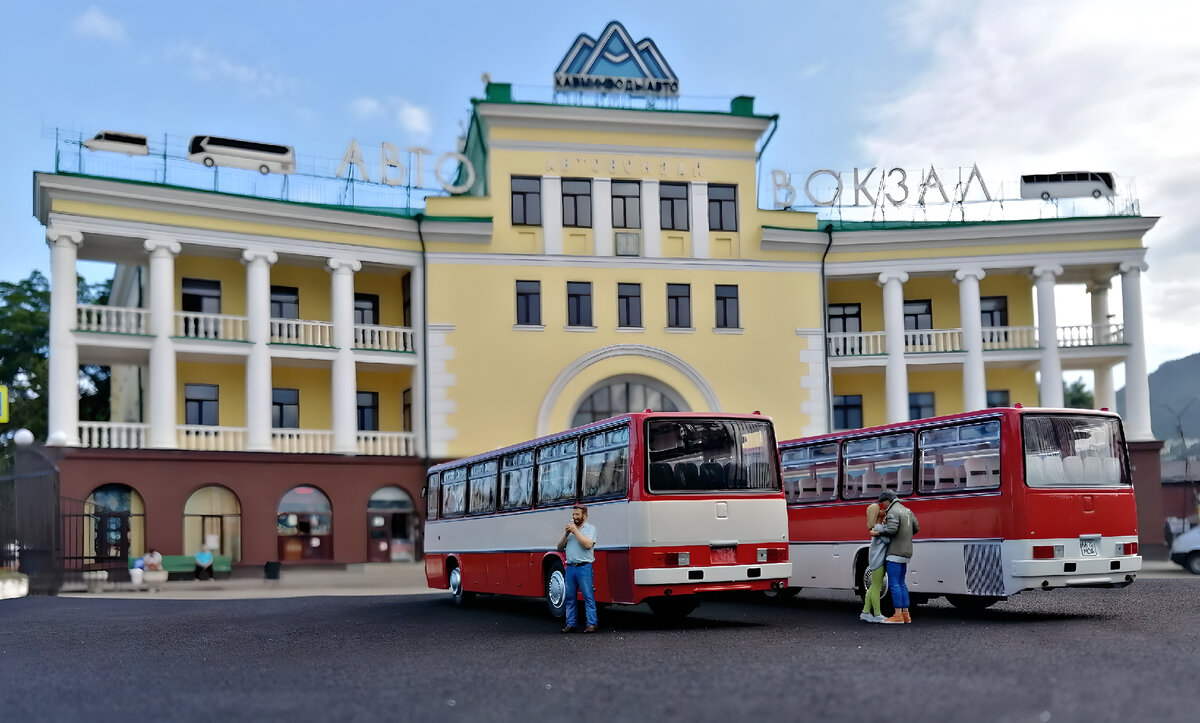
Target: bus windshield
point(691, 455)
point(1073, 451)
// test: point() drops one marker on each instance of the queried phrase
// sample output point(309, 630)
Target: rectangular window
point(877, 463)
point(200, 404)
point(285, 302)
point(406, 410)
point(368, 411)
point(201, 296)
point(366, 309)
point(606, 464)
point(454, 492)
point(433, 486)
point(845, 319)
point(920, 405)
point(710, 456)
point(1073, 451)
point(629, 306)
point(482, 486)
point(997, 398)
point(406, 300)
point(577, 203)
point(810, 473)
point(722, 208)
point(626, 204)
point(557, 472)
point(994, 310)
point(673, 206)
point(526, 201)
point(285, 408)
point(579, 303)
point(529, 303)
point(960, 458)
point(679, 306)
point(847, 411)
point(516, 481)
point(727, 306)
point(918, 315)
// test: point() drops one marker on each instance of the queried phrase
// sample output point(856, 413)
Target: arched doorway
point(116, 522)
point(213, 516)
point(305, 525)
point(618, 395)
point(390, 526)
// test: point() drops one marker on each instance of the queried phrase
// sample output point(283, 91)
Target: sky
point(1013, 86)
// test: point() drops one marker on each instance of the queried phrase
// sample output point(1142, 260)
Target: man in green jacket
point(900, 525)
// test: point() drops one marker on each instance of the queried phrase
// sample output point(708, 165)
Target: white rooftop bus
point(1068, 184)
point(263, 157)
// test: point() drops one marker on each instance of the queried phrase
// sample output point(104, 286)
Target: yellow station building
point(283, 371)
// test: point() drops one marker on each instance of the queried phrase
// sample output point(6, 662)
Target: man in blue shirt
point(579, 542)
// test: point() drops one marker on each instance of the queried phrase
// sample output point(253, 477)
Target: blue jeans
point(579, 580)
point(895, 573)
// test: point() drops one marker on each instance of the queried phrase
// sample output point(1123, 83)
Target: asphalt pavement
point(1063, 655)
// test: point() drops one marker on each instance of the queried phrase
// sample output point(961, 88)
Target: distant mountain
point(1173, 386)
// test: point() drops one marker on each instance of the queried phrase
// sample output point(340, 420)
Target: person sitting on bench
point(204, 563)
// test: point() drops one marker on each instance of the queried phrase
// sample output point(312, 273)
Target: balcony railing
point(393, 444)
point(859, 343)
point(300, 331)
point(385, 338)
point(1091, 335)
point(195, 325)
point(204, 438)
point(113, 435)
point(921, 341)
point(112, 319)
point(1009, 337)
point(302, 441)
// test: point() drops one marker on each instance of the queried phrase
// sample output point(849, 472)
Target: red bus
point(1008, 500)
point(683, 503)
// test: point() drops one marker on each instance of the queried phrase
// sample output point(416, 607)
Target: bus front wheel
point(972, 602)
point(673, 608)
point(264, 169)
point(556, 590)
point(208, 162)
point(1193, 563)
point(461, 597)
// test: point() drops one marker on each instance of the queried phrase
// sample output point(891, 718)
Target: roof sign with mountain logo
point(615, 64)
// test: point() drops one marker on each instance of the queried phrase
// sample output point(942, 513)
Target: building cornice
point(622, 150)
point(983, 234)
point(582, 118)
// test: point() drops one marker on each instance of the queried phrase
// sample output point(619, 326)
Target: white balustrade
point(1009, 337)
point(300, 331)
point(857, 343)
point(112, 319)
point(113, 435)
point(204, 438)
point(195, 325)
point(932, 340)
point(385, 338)
point(302, 441)
point(1090, 335)
point(393, 444)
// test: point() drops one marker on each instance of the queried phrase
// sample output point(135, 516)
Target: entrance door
point(112, 536)
point(379, 543)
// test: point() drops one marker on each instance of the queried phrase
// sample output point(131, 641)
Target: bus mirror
point(423, 490)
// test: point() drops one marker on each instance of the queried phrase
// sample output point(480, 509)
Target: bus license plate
point(722, 555)
point(1089, 547)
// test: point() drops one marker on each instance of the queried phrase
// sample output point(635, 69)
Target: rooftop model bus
point(1067, 185)
point(683, 503)
point(263, 157)
point(131, 144)
point(1008, 499)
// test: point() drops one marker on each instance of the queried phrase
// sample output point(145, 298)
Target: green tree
point(1077, 396)
point(24, 348)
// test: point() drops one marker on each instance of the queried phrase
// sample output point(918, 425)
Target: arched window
point(619, 395)
point(390, 526)
point(305, 525)
point(116, 522)
point(213, 517)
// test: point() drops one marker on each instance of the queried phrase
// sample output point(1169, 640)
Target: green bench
point(183, 567)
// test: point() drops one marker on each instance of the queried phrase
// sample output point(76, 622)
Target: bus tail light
point(1047, 552)
point(1129, 548)
point(770, 554)
point(676, 559)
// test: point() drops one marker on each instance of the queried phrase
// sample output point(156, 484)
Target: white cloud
point(1043, 87)
point(416, 121)
point(210, 66)
point(93, 23)
point(812, 70)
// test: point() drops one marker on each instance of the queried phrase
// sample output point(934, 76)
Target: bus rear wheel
point(1193, 563)
point(972, 602)
point(885, 594)
point(556, 590)
point(673, 608)
point(462, 597)
point(209, 162)
point(264, 169)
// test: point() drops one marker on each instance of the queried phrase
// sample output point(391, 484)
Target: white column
point(163, 418)
point(420, 397)
point(552, 224)
point(1106, 394)
point(1050, 365)
point(896, 381)
point(973, 379)
point(344, 386)
point(651, 220)
point(602, 228)
point(1137, 381)
point(63, 428)
point(258, 364)
point(698, 190)
point(1098, 291)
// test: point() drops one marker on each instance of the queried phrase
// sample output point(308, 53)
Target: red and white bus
point(683, 503)
point(1008, 500)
